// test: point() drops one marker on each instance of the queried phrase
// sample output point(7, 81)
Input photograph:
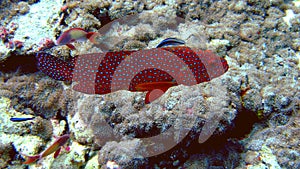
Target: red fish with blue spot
point(152, 70)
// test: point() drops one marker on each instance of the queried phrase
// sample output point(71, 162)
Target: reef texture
point(251, 113)
point(35, 94)
point(275, 147)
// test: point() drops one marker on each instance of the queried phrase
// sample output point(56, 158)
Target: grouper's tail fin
point(55, 67)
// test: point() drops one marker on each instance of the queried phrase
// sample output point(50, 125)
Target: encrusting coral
point(259, 40)
point(44, 96)
point(7, 153)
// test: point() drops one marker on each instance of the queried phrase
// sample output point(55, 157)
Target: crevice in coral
point(22, 63)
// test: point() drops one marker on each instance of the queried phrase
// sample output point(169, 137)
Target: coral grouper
point(152, 70)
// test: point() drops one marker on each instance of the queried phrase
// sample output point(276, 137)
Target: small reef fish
point(152, 70)
point(55, 147)
point(170, 42)
point(75, 34)
point(20, 119)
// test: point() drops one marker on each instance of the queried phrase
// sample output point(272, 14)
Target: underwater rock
point(7, 152)
point(92, 163)
point(101, 119)
point(125, 153)
point(33, 25)
point(26, 144)
point(38, 126)
point(30, 137)
point(23, 7)
point(277, 146)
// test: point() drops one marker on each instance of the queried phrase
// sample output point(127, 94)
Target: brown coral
point(45, 96)
point(7, 153)
point(42, 128)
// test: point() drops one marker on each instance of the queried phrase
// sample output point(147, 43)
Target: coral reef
point(38, 126)
point(42, 128)
point(258, 80)
point(30, 24)
point(131, 119)
point(7, 153)
point(124, 153)
point(15, 136)
point(259, 39)
point(45, 97)
point(275, 146)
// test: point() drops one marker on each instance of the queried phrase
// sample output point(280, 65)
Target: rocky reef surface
point(246, 118)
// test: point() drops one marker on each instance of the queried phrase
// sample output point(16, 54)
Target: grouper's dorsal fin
point(170, 42)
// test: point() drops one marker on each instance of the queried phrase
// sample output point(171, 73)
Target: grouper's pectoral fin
point(153, 95)
point(155, 89)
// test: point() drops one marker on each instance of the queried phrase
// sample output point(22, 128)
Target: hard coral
point(3, 33)
point(145, 32)
point(23, 7)
point(42, 128)
point(46, 43)
point(263, 78)
point(14, 44)
point(45, 96)
point(280, 142)
point(126, 153)
point(7, 153)
point(130, 118)
point(8, 33)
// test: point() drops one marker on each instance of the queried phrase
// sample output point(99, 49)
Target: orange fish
point(75, 34)
point(55, 147)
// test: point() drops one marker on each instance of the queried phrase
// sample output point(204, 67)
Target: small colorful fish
point(152, 70)
point(55, 147)
point(75, 34)
point(20, 119)
point(170, 42)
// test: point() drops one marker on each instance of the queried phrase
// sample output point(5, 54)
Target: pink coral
point(3, 33)
point(46, 43)
point(13, 44)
